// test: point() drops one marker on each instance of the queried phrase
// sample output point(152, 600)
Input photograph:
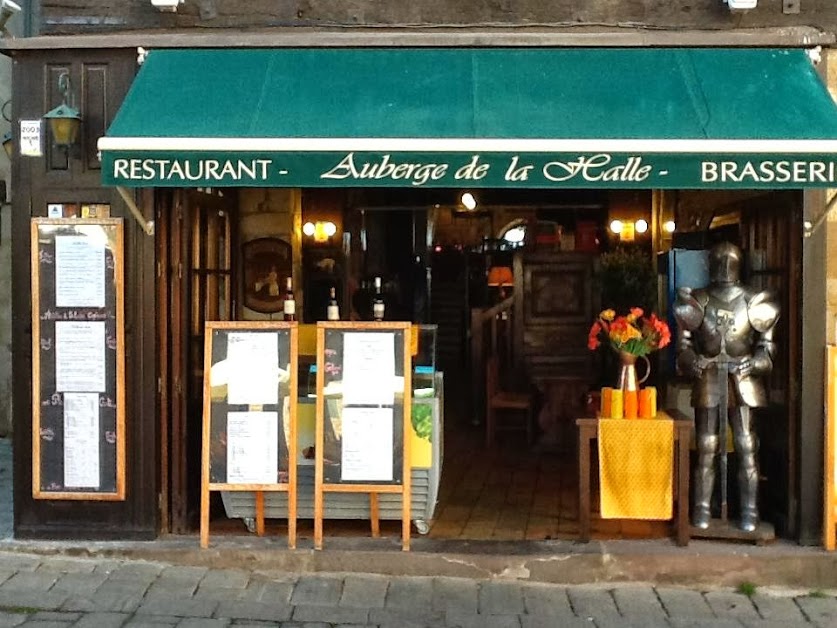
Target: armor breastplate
point(726, 326)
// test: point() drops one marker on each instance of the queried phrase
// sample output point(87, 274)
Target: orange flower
point(593, 337)
point(631, 333)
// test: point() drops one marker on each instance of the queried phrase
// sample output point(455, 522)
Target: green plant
point(746, 588)
point(817, 593)
point(422, 418)
point(627, 279)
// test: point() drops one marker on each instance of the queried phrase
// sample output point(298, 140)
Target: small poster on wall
point(268, 262)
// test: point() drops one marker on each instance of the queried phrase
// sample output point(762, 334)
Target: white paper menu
point(367, 444)
point(79, 272)
point(368, 369)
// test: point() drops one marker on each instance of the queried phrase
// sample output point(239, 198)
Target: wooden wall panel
point(772, 238)
point(100, 80)
point(69, 16)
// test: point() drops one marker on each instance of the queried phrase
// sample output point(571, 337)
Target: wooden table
point(588, 430)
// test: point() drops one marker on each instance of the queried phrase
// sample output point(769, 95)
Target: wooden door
point(195, 231)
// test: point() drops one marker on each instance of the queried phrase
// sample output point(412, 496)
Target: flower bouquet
point(632, 336)
point(632, 333)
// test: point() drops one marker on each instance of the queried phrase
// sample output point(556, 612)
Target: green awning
point(487, 117)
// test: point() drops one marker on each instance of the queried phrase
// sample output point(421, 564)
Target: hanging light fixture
point(65, 119)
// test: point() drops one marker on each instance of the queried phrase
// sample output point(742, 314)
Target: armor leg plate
point(706, 421)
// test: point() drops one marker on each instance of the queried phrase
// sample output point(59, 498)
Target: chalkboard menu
point(249, 419)
point(363, 401)
point(78, 370)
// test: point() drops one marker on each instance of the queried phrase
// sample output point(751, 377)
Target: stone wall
point(73, 16)
point(831, 226)
point(264, 213)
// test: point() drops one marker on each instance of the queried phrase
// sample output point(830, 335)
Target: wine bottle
point(378, 302)
point(290, 303)
point(333, 309)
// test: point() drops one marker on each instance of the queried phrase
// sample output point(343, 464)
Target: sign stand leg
point(374, 515)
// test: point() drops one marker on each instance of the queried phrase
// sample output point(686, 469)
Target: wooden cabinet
point(557, 304)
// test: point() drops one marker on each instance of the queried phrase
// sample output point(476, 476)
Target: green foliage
point(746, 588)
point(627, 279)
point(817, 593)
point(422, 420)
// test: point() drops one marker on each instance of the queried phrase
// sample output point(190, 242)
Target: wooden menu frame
point(402, 485)
point(830, 450)
point(96, 319)
point(215, 439)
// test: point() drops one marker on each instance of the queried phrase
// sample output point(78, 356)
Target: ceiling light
point(669, 226)
point(616, 226)
point(641, 226)
point(468, 201)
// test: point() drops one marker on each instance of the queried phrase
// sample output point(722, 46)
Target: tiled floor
point(517, 493)
point(513, 493)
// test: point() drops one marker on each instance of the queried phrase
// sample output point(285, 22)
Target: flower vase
point(629, 384)
point(627, 380)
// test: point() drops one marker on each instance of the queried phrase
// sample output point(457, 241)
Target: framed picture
point(268, 262)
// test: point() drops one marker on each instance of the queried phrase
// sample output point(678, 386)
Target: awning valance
point(498, 117)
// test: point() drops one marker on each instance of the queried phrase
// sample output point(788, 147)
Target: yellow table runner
point(636, 462)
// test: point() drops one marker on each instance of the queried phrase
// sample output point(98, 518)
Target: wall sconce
point(65, 119)
point(8, 144)
point(320, 231)
point(499, 276)
point(627, 230)
point(669, 226)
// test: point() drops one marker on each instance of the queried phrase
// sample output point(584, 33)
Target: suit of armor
point(726, 327)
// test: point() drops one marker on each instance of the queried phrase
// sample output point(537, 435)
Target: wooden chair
point(515, 404)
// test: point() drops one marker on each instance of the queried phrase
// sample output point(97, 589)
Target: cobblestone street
point(58, 591)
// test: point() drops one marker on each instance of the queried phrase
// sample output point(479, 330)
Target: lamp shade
point(500, 276)
point(64, 122)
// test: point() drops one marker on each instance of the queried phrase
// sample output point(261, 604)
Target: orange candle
point(631, 403)
point(607, 403)
point(653, 410)
point(645, 403)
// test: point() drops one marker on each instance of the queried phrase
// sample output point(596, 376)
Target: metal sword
point(722, 364)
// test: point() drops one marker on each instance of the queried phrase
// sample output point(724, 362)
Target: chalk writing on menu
point(368, 368)
point(252, 447)
point(81, 440)
point(80, 356)
point(253, 370)
point(367, 444)
point(79, 272)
